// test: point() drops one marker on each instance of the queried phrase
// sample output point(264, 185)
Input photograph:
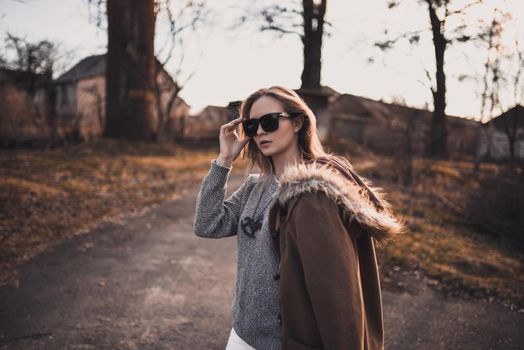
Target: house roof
point(513, 117)
point(95, 65)
point(220, 109)
point(383, 111)
point(88, 67)
point(92, 66)
point(323, 91)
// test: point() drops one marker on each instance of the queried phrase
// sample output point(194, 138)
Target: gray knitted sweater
point(255, 307)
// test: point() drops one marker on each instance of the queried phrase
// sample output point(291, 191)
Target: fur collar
point(352, 200)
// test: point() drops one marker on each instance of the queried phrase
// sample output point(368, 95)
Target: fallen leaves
point(47, 196)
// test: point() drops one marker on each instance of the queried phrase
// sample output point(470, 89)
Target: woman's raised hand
point(230, 142)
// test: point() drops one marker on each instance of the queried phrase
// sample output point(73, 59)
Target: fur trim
point(354, 203)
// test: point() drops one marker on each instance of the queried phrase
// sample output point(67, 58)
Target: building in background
point(205, 125)
point(319, 101)
point(37, 111)
point(386, 127)
point(80, 101)
point(503, 135)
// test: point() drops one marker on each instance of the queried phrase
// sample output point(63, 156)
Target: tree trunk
point(407, 174)
point(160, 133)
point(438, 134)
point(312, 41)
point(511, 127)
point(130, 69)
point(51, 114)
point(164, 131)
point(169, 109)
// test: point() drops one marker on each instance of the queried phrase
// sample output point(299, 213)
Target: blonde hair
point(308, 139)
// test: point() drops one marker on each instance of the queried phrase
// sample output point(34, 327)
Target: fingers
point(233, 122)
point(231, 125)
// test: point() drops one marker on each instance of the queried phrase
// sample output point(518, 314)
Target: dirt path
point(150, 283)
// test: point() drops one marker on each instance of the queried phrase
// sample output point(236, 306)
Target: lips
point(265, 142)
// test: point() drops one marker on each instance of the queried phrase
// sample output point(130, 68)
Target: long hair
point(308, 139)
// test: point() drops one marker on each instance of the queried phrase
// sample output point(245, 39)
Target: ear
point(298, 122)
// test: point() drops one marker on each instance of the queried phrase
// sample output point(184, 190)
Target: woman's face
point(281, 141)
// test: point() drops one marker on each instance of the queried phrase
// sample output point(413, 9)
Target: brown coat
point(325, 230)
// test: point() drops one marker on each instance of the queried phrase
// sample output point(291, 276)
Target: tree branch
point(463, 9)
point(279, 29)
point(413, 38)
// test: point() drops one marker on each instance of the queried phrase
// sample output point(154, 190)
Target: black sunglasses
point(269, 122)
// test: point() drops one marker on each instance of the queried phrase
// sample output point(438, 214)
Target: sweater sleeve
point(214, 216)
point(329, 262)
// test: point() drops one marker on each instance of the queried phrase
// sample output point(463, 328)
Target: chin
point(267, 152)
point(271, 153)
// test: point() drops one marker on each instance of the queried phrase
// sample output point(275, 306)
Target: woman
point(271, 141)
point(323, 223)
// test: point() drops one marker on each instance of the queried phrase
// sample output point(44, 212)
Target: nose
point(260, 131)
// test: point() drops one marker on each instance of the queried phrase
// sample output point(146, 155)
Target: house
point(319, 100)
point(234, 109)
point(383, 127)
point(206, 124)
point(503, 136)
point(80, 101)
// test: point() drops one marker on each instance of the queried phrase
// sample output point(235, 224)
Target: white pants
point(236, 343)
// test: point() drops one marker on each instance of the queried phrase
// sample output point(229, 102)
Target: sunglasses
point(269, 122)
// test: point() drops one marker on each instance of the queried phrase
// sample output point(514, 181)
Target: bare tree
point(133, 94)
point(312, 39)
point(514, 123)
point(439, 11)
point(187, 18)
point(496, 76)
point(39, 60)
point(305, 21)
point(130, 70)
point(492, 41)
point(404, 150)
point(511, 121)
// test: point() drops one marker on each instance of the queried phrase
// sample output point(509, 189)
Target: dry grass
point(49, 196)
point(438, 240)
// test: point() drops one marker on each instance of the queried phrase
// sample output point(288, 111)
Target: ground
point(147, 282)
point(49, 196)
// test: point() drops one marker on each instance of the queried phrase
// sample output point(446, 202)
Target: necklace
point(250, 225)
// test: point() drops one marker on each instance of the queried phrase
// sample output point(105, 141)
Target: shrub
point(497, 205)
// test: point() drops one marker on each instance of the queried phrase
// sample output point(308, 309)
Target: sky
point(225, 64)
